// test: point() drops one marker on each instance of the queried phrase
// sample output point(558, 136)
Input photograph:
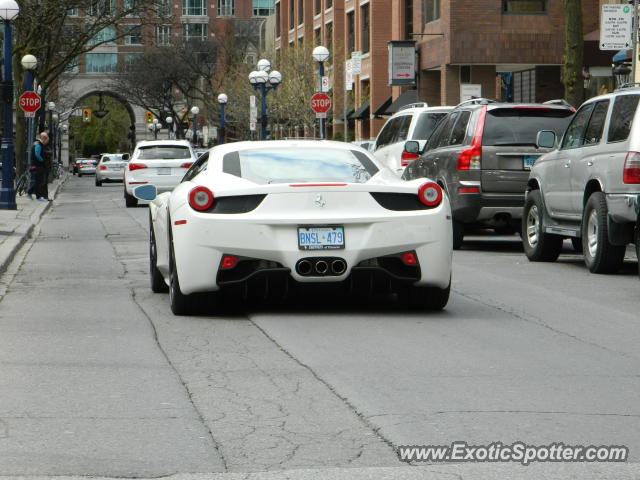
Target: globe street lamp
point(155, 128)
point(169, 121)
point(195, 111)
point(222, 100)
point(29, 63)
point(263, 81)
point(321, 54)
point(8, 11)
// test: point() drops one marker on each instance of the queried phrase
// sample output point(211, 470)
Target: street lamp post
point(51, 106)
point(222, 100)
point(195, 111)
point(169, 121)
point(29, 63)
point(259, 80)
point(320, 54)
point(155, 127)
point(8, 11)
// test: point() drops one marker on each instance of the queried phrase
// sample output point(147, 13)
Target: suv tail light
point(186, 165)
point(631, 172)
point(430, 194)
point(136, 166)
point(407, 158)
point(471, 158)
point(200, 198)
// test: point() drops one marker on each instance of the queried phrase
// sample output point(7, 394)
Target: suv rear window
point(520, 125)
point(426, 125)
point(285, 165)
point(624, 108)
point(162, 152)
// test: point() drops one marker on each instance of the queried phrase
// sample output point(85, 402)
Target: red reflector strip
point(468, 190)
point(228, 261)
point(409, 258)
point(137, 183)
point(318, 185)
point(180, 222)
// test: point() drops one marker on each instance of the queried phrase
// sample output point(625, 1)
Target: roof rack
point(413, 105)
point(628, 85)
point(476, 101)
point(558, 101)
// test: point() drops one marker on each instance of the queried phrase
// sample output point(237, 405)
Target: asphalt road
point(98, 378)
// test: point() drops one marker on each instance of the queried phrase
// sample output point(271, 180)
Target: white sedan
point(259, 217)
point(162, 163)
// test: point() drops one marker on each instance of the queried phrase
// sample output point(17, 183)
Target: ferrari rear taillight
point(430, 194)
point(409, 258)
point(407, 158)
point(470, 158)
point(136, 166)
point(631, 172)
point(186, 165)
point(200, 198)
point(228, 262)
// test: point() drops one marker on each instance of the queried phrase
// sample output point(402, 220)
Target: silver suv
point(588, 188)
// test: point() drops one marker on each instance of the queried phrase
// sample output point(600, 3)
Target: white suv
point(162, 163)
point(415, 121)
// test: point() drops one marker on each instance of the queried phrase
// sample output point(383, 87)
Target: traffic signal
point(149, 117)
point(86, 115)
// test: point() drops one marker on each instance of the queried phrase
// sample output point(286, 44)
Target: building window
point(408, 19)
point(194, 7)
point(163, 35)
point(364, 34)
point(133, 35)
point(329, 4)
point(195, 31)
point(317, 40)
point(263, 8)
point(99, 8)
point(226, 8)
point(101, 62)
point(291, 14)
point(465, 73)
point(524, 86)
point(300, 12)
point(278, 27)
point(431, 10)
point(163, 8)
point(318, 7)
point(72, 12)
point(328, 36)
point(130, 59)
point(524, 6)
point(351, 31)
point(72, 66)
point(106, 36)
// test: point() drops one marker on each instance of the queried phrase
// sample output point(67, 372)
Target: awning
point(362, 112)
point(622, 56)
point(410, 96)
point(382, 108)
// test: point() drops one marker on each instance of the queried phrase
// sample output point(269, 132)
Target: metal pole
point(30, 121)
point(263, 120)
point(222, 132)
point(7, 192)
point(322, 120)
point(634, 42)
point(195, 130)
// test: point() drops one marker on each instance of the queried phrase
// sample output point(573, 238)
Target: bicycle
point(23, 182)
point(58, 170)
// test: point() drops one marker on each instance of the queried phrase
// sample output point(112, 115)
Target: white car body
point(269, 230)
point(163, 171)
point(111, 168)
point(404, 125)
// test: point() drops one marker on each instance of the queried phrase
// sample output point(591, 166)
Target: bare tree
point(573, 52)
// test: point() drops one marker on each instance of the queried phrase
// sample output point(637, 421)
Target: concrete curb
point(10, 247)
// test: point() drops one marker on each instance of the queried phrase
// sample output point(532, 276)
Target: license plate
point(527, 162)
point(164, 171)
point(320, 238)
point(117, 169)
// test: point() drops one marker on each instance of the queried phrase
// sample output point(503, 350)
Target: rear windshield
point(519, 126)
point(426, 124)
point(161, 152)
point(108, 158)
point(285, 165)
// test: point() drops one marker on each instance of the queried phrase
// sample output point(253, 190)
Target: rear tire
point(98, 183)
point(79, 174)
point(158, 285)
point(600, 256)
point(129, 200)
point(538, 246)
point(637, 240)
point(425, 298)
point(458, 235)
point(179, 302)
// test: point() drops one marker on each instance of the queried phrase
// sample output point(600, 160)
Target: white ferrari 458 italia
point(261, 217)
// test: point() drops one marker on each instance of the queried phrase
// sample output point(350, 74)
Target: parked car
point(481, 154)
point(263, 215)
point(111, 168)
point(73, 165)
point(412, 122)
point(86, 167)
point(588, 187)
point(162, 163)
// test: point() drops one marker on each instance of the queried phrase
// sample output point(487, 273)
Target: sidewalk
point(16, 226)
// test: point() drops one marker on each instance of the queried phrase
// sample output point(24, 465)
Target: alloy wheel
point(592, 233)
point(533, 224)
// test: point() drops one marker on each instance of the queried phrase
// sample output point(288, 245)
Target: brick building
point(512, 49)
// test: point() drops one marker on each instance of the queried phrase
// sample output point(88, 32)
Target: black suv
point(481, 154)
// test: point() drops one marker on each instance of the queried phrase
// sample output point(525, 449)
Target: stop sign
point(29, 101)
point(320, 103)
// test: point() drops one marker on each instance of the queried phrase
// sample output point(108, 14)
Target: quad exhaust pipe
point(321, 267)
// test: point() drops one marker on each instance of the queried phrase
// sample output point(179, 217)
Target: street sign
point(469, 91)
point(253, 110)
point(348, 75)
point(402, 62)
point(252, 126)
point(324, 84)
point(356, 58)
point(615, 26)
point(321, 114)
point(30, 102)
point(320, 103)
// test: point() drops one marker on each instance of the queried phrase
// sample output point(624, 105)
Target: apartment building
point(505, 49)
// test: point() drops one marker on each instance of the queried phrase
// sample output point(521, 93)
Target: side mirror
point(546, 139)
point(126, 157)
point(412, 147)
point(145, 192)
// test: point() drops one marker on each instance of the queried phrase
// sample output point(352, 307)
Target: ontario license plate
point(164, 171)
point(527, 162)
point(320, 238)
